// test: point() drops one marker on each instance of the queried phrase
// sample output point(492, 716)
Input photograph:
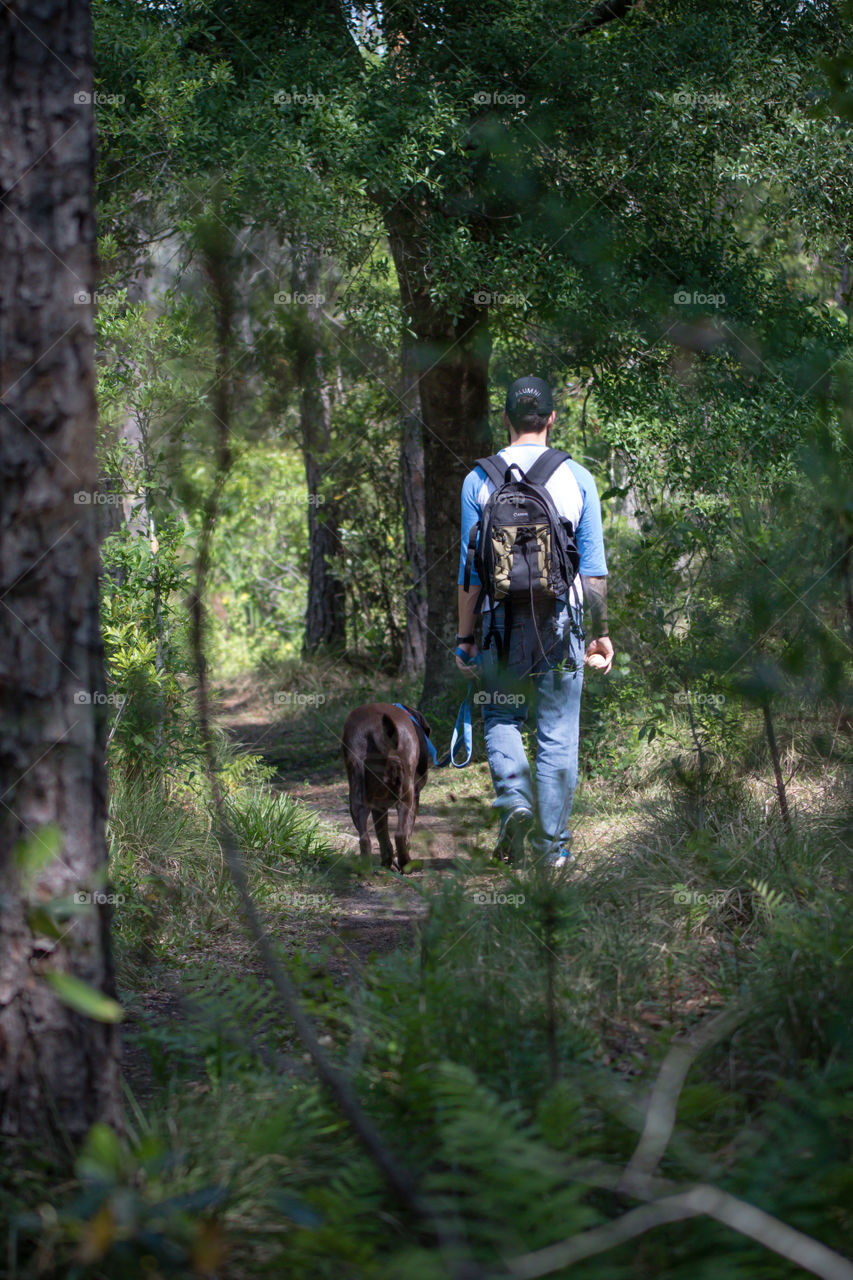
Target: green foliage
point(143, 624)
point(270, 826)
point(125, 1216)
point(259, 560)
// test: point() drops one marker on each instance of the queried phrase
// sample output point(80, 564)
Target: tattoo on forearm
point(595, 597)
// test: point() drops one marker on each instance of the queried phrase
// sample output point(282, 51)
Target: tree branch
point(744, 1218)
point(637, 1180)
point(663, 1103)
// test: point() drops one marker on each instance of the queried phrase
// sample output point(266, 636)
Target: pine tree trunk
point(58, 1069)
point(325, 614)
point(412, 478)
point(452, 360)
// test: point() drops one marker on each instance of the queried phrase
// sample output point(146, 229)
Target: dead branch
point(744, 1218)
point(663, 1103)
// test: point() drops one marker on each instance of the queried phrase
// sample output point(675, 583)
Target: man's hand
point(604, 647)
point(471, 651)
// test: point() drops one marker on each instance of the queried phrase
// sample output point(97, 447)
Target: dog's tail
point(390, 730)
point(393, 766)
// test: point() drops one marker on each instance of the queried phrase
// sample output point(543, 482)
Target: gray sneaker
point(514, 832)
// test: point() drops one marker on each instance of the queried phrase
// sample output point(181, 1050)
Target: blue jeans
point(543, 667)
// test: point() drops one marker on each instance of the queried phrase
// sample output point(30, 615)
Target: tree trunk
point(452, 360)
point(325, 614)
point(412, 477)
point(58, 1069)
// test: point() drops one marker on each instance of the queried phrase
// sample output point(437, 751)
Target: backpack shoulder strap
point(495, 468)
point(545, 466)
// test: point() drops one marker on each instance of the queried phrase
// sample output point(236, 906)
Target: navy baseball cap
point(535, 393)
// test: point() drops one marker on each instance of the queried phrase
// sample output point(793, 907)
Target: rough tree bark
point(452, 361)
point(414, 531)
point(58, 1069)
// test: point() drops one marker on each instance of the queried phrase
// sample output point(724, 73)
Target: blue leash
point(430, 748)
point(463, 729)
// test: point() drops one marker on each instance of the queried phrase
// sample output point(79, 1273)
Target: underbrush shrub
point(800, 986)
point(172, 885)
point(270, 826)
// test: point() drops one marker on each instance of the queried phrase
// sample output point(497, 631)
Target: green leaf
point(35, 851)
point(41, 921)
point(86, 999)
point(101, 1156)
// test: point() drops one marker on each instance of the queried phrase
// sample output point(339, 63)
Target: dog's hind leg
point(407, 811)
point(358, 809)
point(380, 826)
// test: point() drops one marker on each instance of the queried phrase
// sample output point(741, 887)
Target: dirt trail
point(376, 913)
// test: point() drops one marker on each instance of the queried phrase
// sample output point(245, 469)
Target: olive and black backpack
point(522, 549)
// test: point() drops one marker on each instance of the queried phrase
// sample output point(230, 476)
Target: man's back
point(575, 496)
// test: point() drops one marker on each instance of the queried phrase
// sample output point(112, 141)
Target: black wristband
point(466, 639)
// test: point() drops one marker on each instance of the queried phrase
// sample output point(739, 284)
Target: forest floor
point(635, 847)
point(454, 833)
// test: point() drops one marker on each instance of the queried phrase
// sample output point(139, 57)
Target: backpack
point(522, 549)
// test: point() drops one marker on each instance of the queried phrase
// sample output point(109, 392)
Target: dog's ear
point(421, 720)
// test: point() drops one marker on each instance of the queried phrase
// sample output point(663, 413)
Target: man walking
point(532, 645)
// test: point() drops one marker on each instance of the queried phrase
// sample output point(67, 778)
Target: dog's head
point(419, 720)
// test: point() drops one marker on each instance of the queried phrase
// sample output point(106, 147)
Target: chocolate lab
point(387, 760)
